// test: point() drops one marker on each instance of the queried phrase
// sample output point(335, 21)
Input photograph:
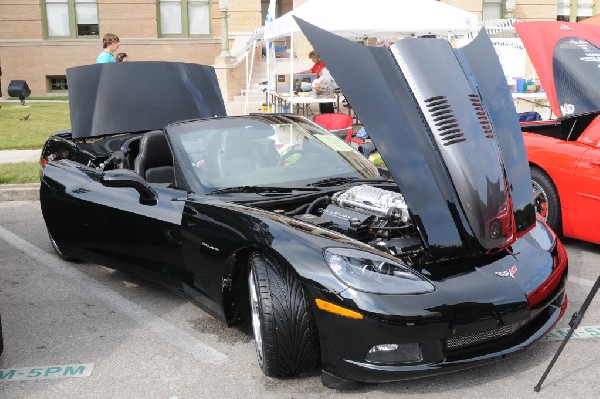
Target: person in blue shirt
point(110, 44)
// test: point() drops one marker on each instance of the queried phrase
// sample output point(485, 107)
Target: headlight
point(544, 236)
point(372, 273)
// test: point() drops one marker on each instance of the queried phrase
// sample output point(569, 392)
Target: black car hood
point(137, 96)
point(444, 122)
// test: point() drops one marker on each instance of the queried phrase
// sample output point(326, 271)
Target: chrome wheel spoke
point(256, 322)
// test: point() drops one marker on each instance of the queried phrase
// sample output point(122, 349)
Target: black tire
point(287, 341)
point(545, 199)
point(59, 252)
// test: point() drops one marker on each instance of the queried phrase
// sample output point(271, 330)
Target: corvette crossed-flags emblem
point(508, 273)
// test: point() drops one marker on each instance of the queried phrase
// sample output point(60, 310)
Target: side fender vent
point(445, 121)
point(481, 116)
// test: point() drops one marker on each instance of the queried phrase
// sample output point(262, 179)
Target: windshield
point(258, 151)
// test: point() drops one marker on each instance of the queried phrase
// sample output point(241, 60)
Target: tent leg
point(249, 77)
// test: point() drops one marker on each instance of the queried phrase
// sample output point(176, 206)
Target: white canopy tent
point(373, 18)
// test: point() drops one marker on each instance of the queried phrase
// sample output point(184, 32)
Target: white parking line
point(176, 337)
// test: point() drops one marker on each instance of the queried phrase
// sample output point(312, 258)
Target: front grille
point(463, 341)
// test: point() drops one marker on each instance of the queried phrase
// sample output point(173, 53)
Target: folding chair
point(339, 124)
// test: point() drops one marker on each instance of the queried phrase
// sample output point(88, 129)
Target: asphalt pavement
point(80, 330)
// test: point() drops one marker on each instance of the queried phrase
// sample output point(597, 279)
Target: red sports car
point(564, 154)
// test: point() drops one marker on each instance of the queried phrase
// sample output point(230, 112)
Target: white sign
point(512, 55)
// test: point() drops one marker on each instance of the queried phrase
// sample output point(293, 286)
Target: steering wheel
point(288, 154)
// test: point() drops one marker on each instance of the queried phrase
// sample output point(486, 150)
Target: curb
point(20, 192)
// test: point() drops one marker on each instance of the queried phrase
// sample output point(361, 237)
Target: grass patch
point(28, 127)
point(19, 173)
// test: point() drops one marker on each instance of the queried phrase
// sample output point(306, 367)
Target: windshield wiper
point(334, 181)
point(260, 189)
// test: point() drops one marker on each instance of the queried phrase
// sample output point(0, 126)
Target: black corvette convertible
point(436, 264)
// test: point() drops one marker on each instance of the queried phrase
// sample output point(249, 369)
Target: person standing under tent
point(318, 68)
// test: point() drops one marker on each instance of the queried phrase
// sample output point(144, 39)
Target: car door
point(135, 234)
point(110, 225)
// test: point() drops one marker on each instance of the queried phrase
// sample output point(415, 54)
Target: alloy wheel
point(256, 321)
point(540, 200)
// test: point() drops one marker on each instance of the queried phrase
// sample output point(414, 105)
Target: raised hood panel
point(422, 109)
point(567, 59)
point(482, 65)
point(137, 96)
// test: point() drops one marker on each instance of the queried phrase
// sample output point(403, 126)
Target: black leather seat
point(235, 156)
point(155, 160)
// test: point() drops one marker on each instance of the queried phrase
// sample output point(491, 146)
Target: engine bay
point(369, 214)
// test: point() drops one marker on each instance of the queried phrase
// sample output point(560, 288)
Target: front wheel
point(545, 199)
point(283, 325)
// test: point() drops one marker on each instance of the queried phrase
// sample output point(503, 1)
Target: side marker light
point(335, 309)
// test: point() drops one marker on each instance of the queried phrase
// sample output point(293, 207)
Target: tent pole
point(267, 43)
point(249, 76)
point(247, 83)
point(269, 47)
point(292, 65)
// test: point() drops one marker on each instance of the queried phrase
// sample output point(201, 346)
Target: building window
point(184, 17)
point(493, 9)
point(585, 9)
point(71, 18)
point(57, 83)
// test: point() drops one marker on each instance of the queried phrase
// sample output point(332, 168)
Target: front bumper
point(454, 330)
point(436, 359)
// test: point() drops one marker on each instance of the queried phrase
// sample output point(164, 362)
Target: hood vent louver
point(447, 125)
point(481, 116)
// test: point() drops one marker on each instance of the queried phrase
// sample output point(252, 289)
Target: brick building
point(39, 39)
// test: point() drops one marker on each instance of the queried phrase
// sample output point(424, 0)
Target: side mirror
point(128, 178)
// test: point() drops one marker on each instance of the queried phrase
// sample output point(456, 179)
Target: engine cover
point(351, 222)
point(373, 200)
